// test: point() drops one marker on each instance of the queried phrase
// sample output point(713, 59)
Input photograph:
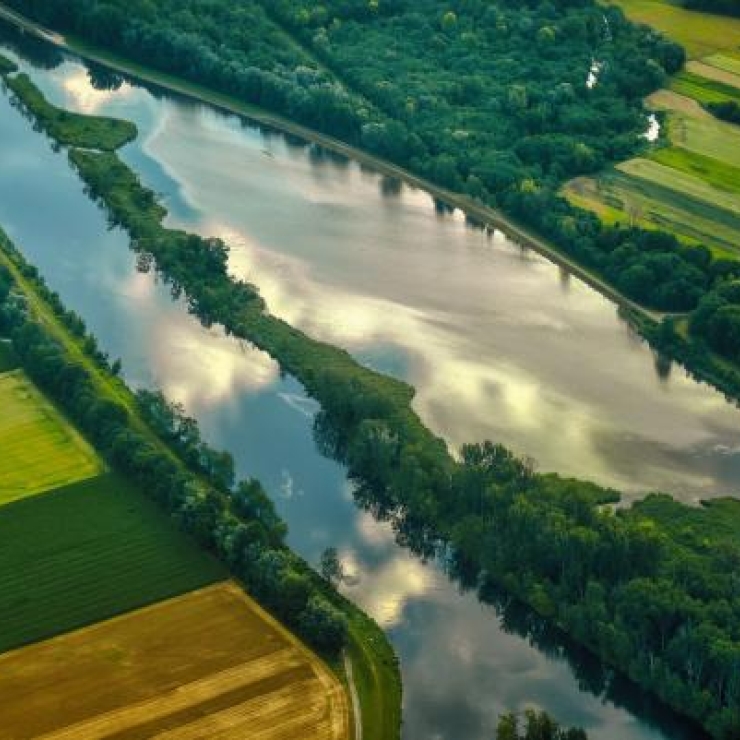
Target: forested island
point(650, 589)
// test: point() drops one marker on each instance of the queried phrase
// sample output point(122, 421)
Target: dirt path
point(356, 707)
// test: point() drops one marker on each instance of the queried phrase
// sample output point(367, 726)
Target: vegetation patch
point(40, 450)
point(88, 552)
point(683, 184)
point(207, 664)
point(703, 89)
point(725, 62)
point(627, 200)
point(707, 136)
point(711, 171)
point(717, 74)
point(72, 129)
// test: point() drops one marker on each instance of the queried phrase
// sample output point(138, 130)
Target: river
point(499, 343)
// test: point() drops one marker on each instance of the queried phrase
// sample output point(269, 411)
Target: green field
point(700, 33)
point(710, 71)
point(41, 450)
point(87, 552)
point(707, 136)
point(621, 198)
point(690, 188)
point(682, 183)
point(703, 89)
point(712, 171)
point(726, 62)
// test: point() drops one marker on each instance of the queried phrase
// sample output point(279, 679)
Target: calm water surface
point(498, 342)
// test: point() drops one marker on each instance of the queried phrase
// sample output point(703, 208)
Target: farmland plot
point(40, 450)
point(210, 664)
point(87, 552)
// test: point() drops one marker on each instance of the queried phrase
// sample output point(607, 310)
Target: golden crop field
point(210, 664)
point(40, 450)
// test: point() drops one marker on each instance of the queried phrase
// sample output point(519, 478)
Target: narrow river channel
point(499, 343)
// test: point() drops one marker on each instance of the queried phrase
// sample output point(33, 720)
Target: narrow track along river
point(499, 342)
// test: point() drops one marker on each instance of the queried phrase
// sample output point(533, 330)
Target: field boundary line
point(356, 707)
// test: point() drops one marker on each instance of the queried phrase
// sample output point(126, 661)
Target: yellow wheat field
point(210, 664)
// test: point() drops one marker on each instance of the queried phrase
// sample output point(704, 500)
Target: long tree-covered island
point(370, 369)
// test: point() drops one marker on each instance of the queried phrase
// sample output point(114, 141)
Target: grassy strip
point(41, 449)
point(682, 184)
point(72, 129)
point(704, 90)
point(627, 200)
point(725, 62)
point(87, 552)
point(719, 174)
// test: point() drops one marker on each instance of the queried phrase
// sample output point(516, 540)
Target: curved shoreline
point(488, 216)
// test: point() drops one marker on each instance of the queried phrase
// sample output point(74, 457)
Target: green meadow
point(712, 171)
point(703, 89)
point(87, 552)
point(40, 450)
point(682, 183)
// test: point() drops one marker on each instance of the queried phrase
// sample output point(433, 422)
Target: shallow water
point(499, 343)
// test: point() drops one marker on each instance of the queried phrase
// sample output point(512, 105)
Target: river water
point(499, 343)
